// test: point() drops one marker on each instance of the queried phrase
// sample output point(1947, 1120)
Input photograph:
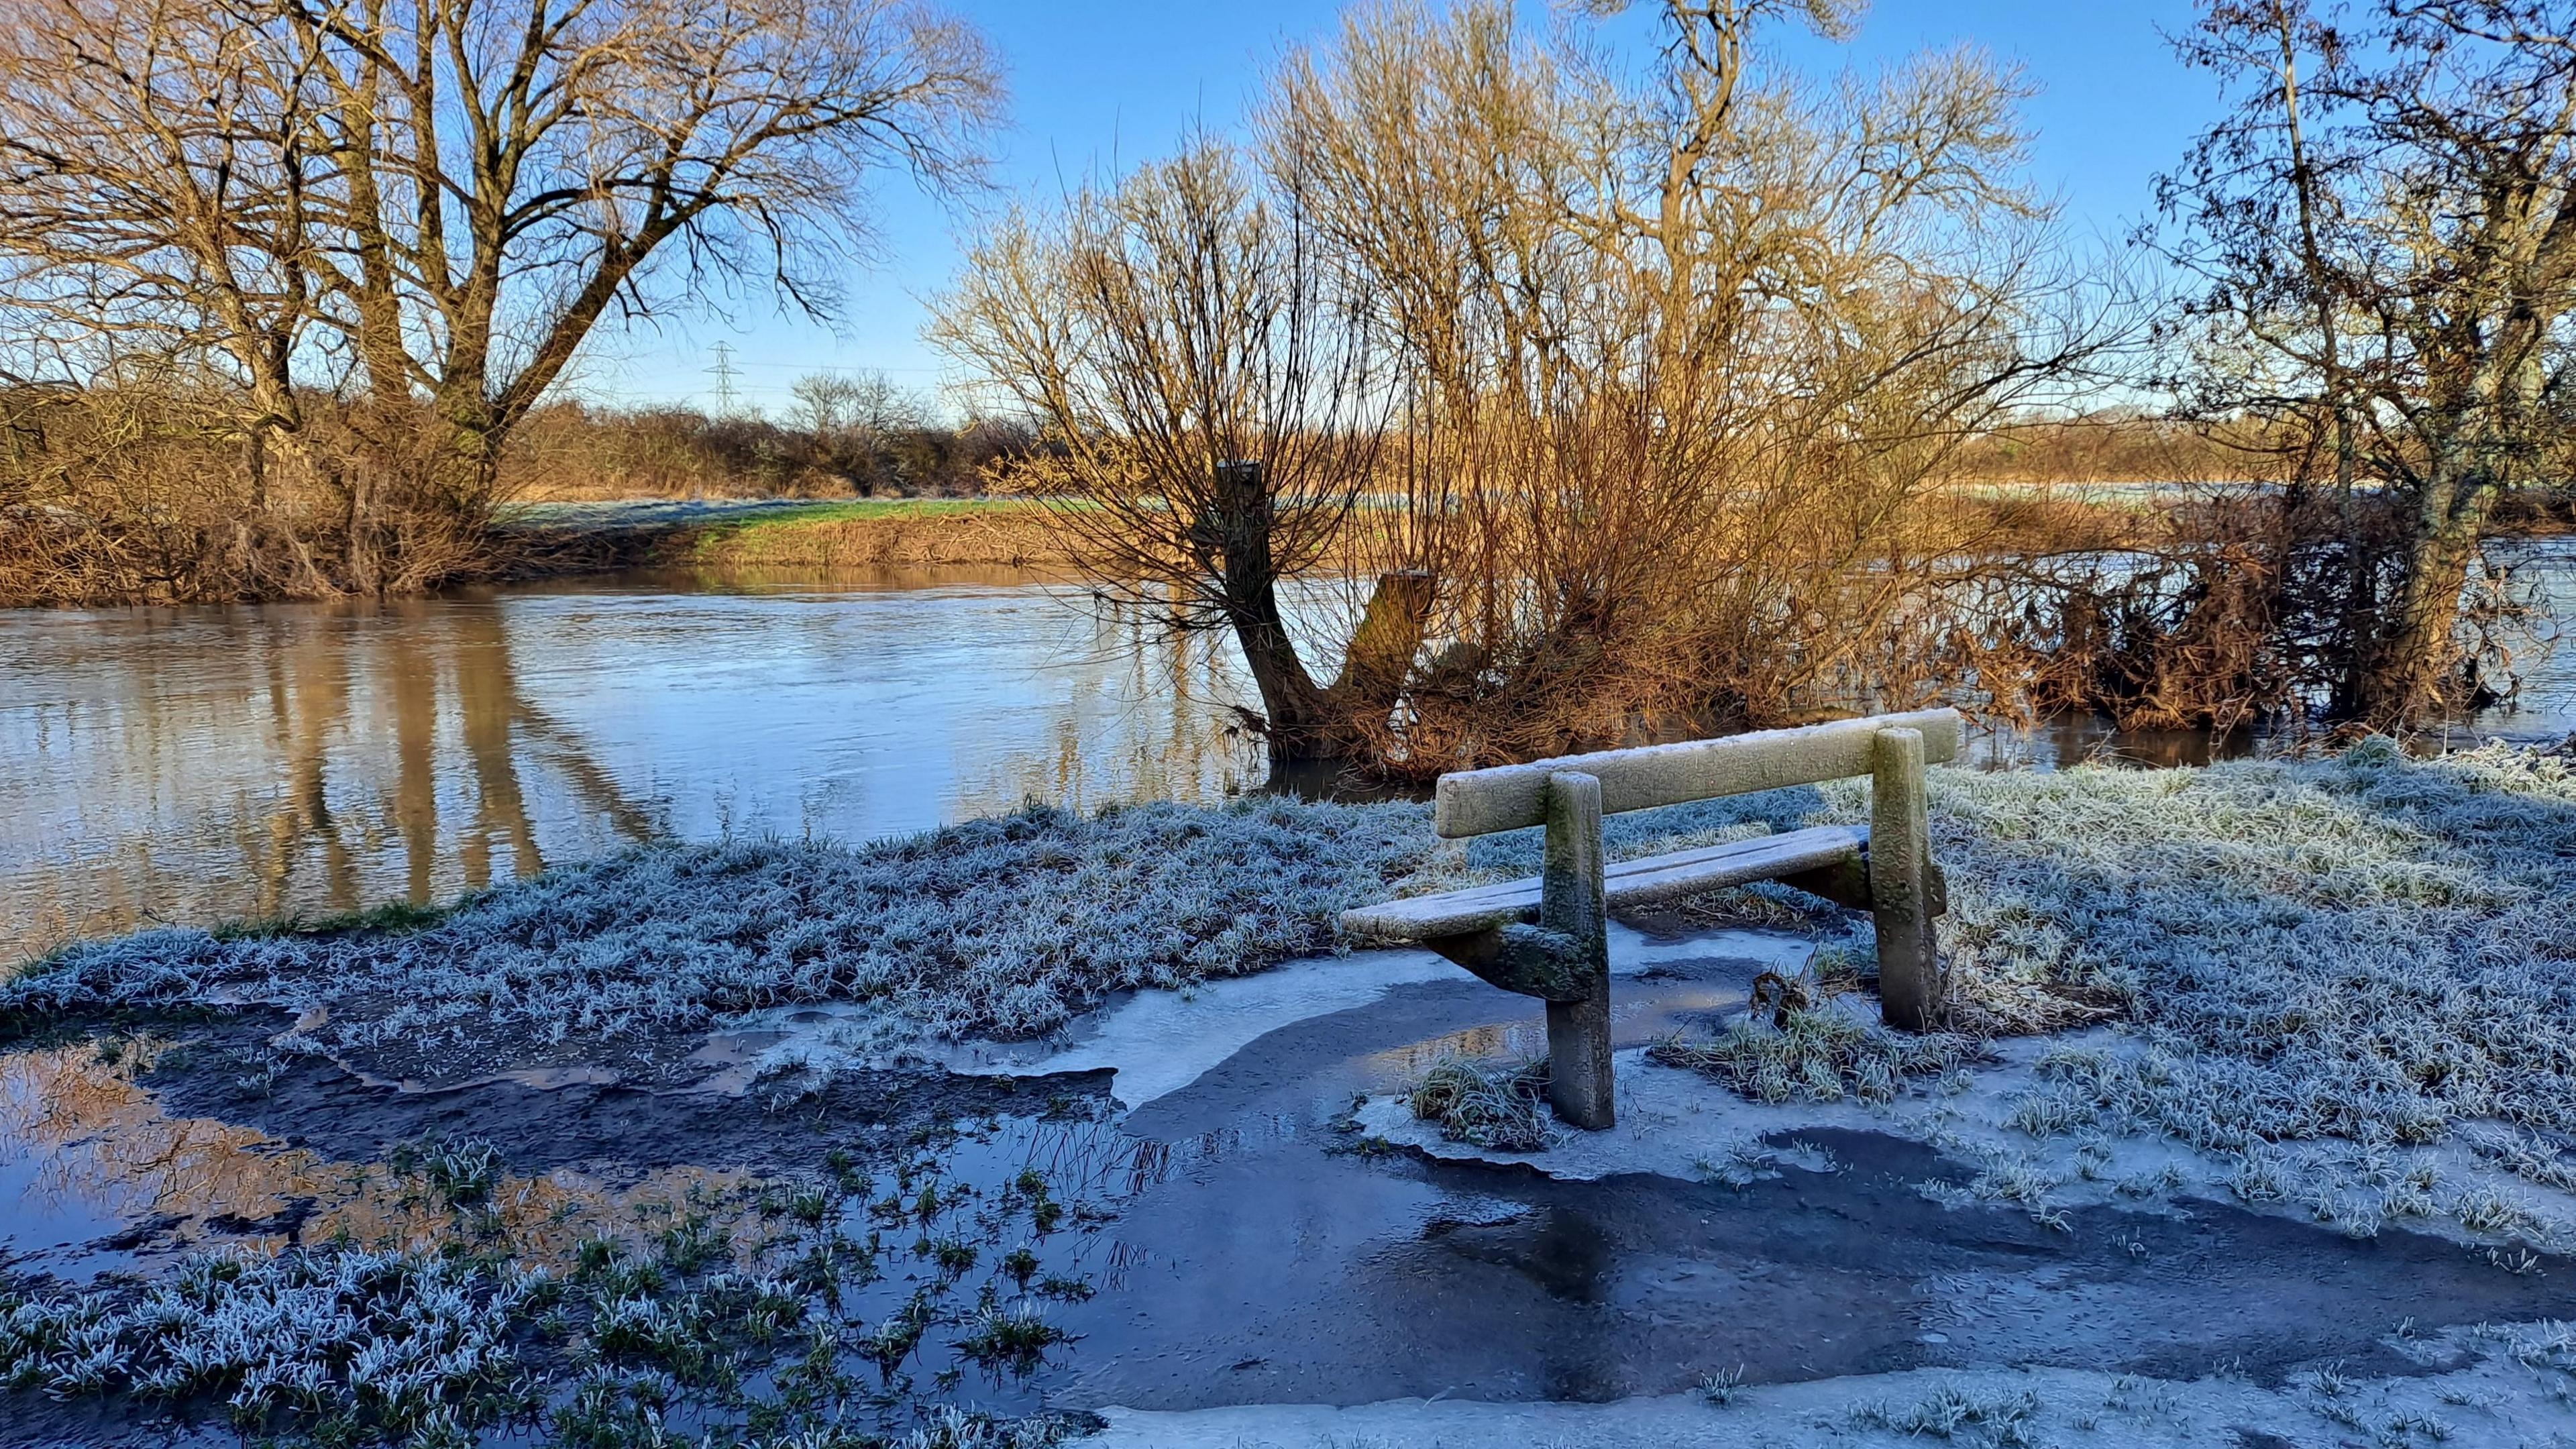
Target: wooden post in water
point(1900, 866)
point(1572, 905)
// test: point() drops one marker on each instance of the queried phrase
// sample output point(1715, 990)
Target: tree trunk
point(2413, 667)
point(358, 547)
point(1294, 715)
point(1302, 720)
point(1390, 634)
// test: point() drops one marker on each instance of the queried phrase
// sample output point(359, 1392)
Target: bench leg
point(1900, 883)
point(1571, 904)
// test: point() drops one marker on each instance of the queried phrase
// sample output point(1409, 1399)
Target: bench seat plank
point(1628, 883)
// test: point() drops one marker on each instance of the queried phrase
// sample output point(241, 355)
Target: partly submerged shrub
point(1487, 1104)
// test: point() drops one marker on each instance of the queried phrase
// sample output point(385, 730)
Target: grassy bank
point(2039, 520)
point(1000, 927)
point(871, 533)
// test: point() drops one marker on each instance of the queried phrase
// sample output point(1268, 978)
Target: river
point(193, 766)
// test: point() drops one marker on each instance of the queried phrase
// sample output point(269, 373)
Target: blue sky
point(1100, 84)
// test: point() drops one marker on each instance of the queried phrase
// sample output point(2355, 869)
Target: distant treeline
point(145, 492)
point(578, 450)
point(149, 491)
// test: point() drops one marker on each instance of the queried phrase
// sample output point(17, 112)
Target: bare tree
point(420, 212)
point(1211, 395)
point(1646, 384)
point(2387, 228)
point(851, 423)
point(1686, 358)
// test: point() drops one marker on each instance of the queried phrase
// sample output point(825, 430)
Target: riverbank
point(570, 539)
point(560, 540)
point(2294, 1003)
point(907, 533)
point(47, 561)
point(790, 533)
point(192, 766)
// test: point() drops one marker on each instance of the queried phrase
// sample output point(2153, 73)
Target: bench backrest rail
point(1512, 797)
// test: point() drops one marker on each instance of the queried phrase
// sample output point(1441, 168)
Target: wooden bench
point(1548, 936)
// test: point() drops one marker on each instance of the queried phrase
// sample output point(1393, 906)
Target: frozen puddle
point(1674, 1123)
point(1158, 1042)
point(1161, 1041)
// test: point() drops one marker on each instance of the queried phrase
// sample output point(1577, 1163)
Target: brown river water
point(192, 766)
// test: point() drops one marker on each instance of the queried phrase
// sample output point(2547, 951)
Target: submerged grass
point(749, 1317)
point(391, 917)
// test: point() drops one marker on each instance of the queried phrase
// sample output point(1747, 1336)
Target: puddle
point(923, 1247)
point(1300, 1271)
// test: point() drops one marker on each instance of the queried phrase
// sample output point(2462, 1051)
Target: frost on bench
point(1548, 936)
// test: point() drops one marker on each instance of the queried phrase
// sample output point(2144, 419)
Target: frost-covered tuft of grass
point(1956, 1412)
point(1818, 1055)
point(1487, 1104)
point(1000, 927)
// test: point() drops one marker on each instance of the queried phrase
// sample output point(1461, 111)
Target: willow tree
point(390, 228)
point(1211, 392)
point(2386, 228)
point(1645, 379)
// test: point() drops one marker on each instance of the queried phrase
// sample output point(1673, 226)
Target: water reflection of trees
point(264, 763)
point(1173, 695)
point(96, 1152)
point(261, 763)
point(314, 709)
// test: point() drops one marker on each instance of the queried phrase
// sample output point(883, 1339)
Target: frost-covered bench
point(1547, 936)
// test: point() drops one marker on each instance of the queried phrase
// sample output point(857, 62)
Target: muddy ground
point(1258, 1268)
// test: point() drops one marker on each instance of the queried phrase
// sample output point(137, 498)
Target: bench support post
point(1572, 906)
point(1901, 887)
